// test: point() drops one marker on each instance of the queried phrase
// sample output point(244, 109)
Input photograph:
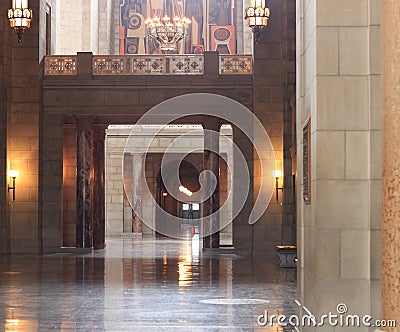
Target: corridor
point(142, 285)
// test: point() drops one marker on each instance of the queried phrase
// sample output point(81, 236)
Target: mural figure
point(134, 27)
point(133, 30)
point(194, 11)
point(220, 12)
point(134, 6)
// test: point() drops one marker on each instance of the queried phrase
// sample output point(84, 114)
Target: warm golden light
point(167, 33)
point(20, 17)
point(13, 173)
point(13, 322)
point(277, 173)
point(257, 16)
point(185, 266)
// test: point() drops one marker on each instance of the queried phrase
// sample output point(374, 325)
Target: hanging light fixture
point(20, 16)
point(257, 16)
point(167, 33)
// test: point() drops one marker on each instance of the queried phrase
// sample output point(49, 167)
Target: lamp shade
point(277, 173)
point(20, 16)
point(13, 173)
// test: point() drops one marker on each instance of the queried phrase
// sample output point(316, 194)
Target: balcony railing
point(60, 65)
point(111, 65)
point(148, 65)
point(235, 64)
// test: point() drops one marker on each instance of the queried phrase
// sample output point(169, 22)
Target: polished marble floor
point(142, 285)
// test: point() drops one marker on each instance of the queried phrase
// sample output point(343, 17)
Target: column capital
point(99, 132)
point(100, 126)
point(211, 123)
point(84, 121)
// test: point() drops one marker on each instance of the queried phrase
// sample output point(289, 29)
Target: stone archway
point(199, 104)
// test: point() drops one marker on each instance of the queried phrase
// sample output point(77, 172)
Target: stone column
point(99, 226)
point(211, 163)
point(84, 181)
point(391, 161)
point(137, 173)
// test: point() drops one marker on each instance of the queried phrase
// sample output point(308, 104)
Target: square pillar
point(211, 168)
point(84, 182)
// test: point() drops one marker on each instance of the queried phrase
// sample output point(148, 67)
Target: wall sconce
point(277, 174)
point(257, 16)
point(20, 17)
point(13, 174)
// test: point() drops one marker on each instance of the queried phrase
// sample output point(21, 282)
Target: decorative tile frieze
point(60, 65)
point(235, 64)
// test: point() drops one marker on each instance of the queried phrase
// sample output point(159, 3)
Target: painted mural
point(212, 25)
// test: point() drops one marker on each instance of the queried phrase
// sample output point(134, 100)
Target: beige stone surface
point(342, 103)
point(328, 51)
point(376, 255)
point(375, 53)
point(310, 61)
point(376, 146)
point(350, 209)
point(355, 259)
point(376, 204)
point(375, 8)
point(376, 116)
point(357, 155)
point(331, 161)
point(342, 12)
point(327, 253)
point(353, 292)
point(353, 43)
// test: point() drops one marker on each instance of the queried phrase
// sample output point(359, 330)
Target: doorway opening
point(136, 191)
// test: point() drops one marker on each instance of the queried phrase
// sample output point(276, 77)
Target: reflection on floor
point(142, 285)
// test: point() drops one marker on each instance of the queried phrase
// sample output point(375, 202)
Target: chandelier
point(257, 16)
point(20, 17)
point(167, 33)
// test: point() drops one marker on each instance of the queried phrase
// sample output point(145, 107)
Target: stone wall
point(23, 138)
point(69, 186)
point(289, 236)
point(116, 24)
point(84, 26)
point(70, 27)
point(338, 65)
point(50, 146)
point(274, 82)
point(94, 13)
point(114, 185)
point(53, 7)
point(106, 27)
point(5, 73)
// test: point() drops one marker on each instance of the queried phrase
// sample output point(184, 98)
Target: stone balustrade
point(111, 65)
